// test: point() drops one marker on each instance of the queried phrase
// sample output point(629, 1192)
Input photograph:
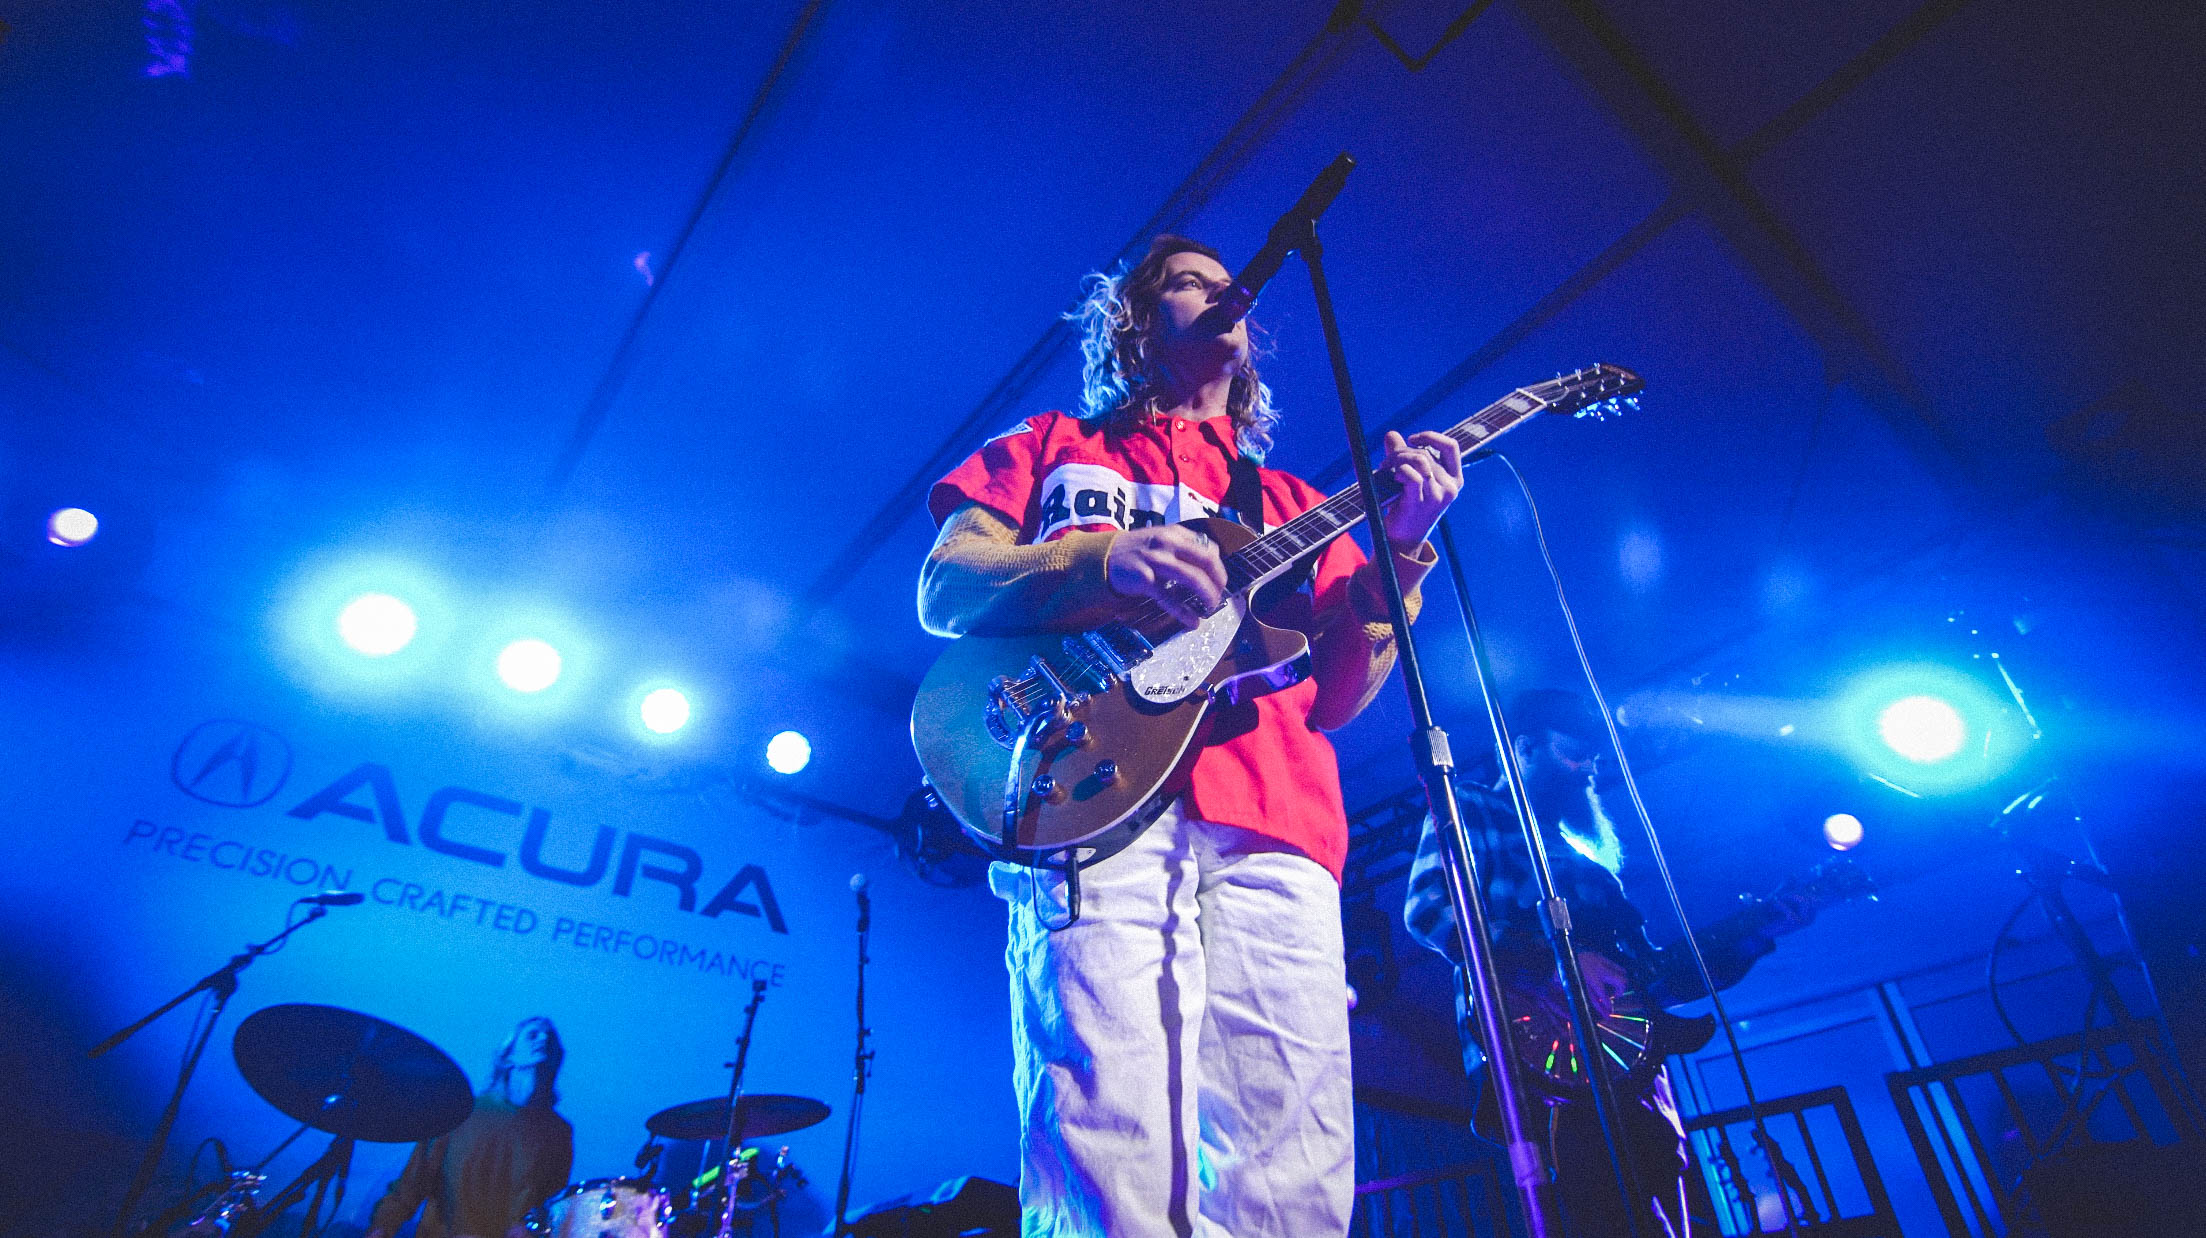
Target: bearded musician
point(1557, 740)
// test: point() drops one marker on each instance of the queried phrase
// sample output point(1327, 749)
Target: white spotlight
point(788, 752)
point(1924, 729)
point(71, 526)
point(376, 624)
point(528, 665)
point(665, 711)
point(1842, 830)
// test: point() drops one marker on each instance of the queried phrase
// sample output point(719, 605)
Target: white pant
point(1182, 1049)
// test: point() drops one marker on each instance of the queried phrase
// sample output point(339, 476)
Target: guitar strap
point(1245, 495)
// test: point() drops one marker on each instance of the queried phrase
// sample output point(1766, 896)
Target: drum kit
point(351, 1076)
point(735, 1191)
point(360, 1079)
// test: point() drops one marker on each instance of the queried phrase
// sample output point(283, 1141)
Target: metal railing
point(1836, 1198)
point(2115, 1093)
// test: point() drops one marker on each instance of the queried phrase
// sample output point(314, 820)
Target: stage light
point(1927, 729)
point(1924, 729)
point(664, 711)
point(377, 624)
point(366, 626)
point(71, 526)
point(1842, 830)
point(788, 752)
point(528, 665)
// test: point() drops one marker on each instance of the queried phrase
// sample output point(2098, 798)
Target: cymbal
point(351, 1074)
point(761, 1114)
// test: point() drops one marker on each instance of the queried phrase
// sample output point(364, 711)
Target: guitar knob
point(1077, 735)
point(1106, 772)
point(1045, 788)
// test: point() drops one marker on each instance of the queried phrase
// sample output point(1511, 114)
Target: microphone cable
point(1654, 844)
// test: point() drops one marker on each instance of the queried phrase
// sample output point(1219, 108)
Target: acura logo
point(231, 764)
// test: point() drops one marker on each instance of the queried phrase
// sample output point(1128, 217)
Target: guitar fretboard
point(1343, 511)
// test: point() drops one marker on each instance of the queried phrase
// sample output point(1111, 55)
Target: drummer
point(513, 1152)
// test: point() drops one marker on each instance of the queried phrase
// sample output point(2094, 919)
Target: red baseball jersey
point(1262, 768)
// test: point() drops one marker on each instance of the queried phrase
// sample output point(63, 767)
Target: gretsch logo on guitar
point(1052, 747)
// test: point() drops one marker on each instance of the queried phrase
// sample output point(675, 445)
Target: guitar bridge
point(1006, 712)
point(1093, 662)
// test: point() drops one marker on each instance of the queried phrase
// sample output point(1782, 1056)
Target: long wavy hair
point(1118, 319)
point(542, 1091)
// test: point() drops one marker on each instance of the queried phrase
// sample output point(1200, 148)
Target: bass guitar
point(1052, 748)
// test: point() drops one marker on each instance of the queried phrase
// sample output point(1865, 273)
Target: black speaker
point(959, 1208)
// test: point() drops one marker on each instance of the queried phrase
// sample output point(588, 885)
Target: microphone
point(336, 898)
point(1287, 235)
point(865, 904)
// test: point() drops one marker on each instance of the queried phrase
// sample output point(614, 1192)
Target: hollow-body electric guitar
point(1052, 748)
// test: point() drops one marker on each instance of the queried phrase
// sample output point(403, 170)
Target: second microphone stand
point(1436, 770)
point(861, 1067)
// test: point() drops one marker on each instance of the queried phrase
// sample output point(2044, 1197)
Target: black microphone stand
point(730, 1151)
point(222, 982)
point(1436, 769)
point(1555, 911)
point(861, 1068)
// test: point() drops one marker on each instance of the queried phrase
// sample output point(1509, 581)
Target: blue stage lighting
point(1924, 729)
point(377, 624)
point(665, 711)
point(528, 665)
point(367, 626)
point(71, 526)
point(1928, 729)
point(788, 752)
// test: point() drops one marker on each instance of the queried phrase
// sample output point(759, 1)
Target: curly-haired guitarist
point(1182, 1046)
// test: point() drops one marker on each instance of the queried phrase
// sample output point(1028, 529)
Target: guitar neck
point(1317, 527)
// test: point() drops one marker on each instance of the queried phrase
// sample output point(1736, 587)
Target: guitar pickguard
point(1180, 665)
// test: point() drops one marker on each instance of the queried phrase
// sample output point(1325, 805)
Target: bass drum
point(603, 1208)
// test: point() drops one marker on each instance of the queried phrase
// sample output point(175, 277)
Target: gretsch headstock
point(1597, 391)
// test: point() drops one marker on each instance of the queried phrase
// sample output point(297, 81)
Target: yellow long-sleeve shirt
point(483, 1177)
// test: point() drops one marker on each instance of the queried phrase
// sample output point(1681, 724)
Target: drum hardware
point(756, 1184)
point(220, 985)
point(352, 1076)
point(240, 1193)
point(759, 1185)
point(213, 1210)
point(732, 1136)
point(706, 1204)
